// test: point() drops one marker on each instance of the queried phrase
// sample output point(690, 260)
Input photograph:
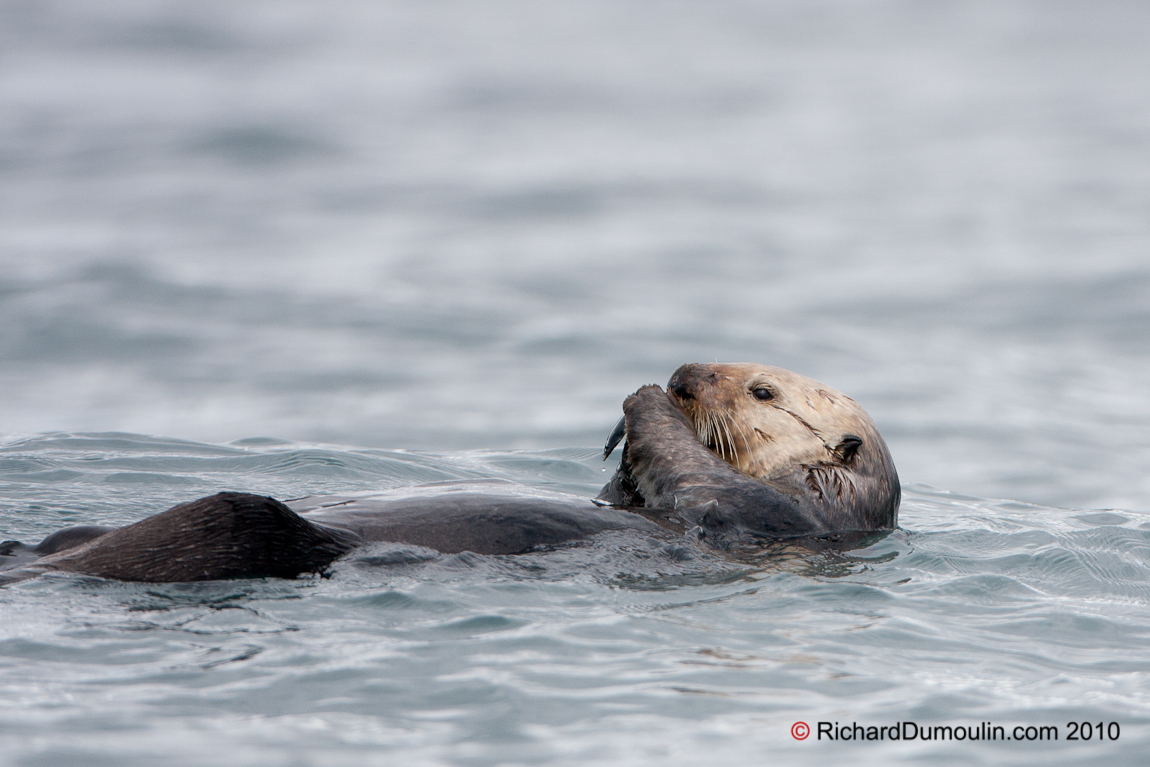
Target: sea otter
point(729, 455)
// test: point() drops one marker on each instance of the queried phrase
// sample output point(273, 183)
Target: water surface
point(290, 241)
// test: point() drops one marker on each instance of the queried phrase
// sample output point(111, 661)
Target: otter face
point(767, 422)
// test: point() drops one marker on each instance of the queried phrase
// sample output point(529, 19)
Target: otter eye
point(762, 393)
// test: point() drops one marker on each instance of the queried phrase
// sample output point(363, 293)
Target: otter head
point(791, 432)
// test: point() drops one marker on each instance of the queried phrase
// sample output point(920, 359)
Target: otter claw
point(616, 437)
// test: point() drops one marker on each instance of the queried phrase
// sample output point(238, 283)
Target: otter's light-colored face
point(766, 421)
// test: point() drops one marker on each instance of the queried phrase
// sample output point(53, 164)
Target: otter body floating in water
point(729, 455)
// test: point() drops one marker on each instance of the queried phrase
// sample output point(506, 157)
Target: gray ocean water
point(298, 248)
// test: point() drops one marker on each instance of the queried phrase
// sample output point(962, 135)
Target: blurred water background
point(291, 241)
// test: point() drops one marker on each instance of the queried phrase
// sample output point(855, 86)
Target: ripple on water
point(977, 610)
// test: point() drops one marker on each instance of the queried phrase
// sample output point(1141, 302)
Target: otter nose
point(687, 382)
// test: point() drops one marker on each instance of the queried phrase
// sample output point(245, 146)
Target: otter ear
point(848, 447)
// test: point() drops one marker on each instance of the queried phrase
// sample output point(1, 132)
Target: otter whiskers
point(714, 430)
